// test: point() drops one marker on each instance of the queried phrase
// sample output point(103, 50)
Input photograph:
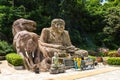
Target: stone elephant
point(26, 44)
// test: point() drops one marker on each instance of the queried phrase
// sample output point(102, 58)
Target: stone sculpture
point(56, 67)
point(45, 64)
point(37, 52)
point(23, 24)
point(56, 39)
point(26, 42)
point(118, 51)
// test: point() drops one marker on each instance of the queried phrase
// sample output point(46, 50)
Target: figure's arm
point(51, 45)
point(68, 42)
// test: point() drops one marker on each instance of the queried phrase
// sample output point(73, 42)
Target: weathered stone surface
point(103, 50)
point(82, 53)
point(23, 24)
point(56, 39)
point(118, 51)
point(45, 64)
point(26, 42)
point(38, 51)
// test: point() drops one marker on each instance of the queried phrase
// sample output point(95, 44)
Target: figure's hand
point(71, 47)
point(60, 47)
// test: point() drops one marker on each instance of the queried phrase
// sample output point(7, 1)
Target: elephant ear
point(31, 45)
point(35, 37)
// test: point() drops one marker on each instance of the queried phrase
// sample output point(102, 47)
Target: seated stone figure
point(56, 39)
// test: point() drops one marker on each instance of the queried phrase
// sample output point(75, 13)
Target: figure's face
point(30, 46)
point(30, 25)
point(56, 54)
point(58, 26)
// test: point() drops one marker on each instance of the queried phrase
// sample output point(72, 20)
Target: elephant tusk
point(26, 53)
point(33, 54)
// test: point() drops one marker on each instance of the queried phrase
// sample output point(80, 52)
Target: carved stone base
point(57, 70)
point(54, 71)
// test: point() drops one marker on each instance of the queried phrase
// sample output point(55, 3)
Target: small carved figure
point(56, 67)
point(56, 39)
point(55, 60)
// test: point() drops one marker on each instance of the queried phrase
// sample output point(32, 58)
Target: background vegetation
point(89, 23)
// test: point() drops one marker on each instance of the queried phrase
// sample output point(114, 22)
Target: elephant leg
point(38, 57)
point(31, 60)
point(26, 64)
point(29, 65)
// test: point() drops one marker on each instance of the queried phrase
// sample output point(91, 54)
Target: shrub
point(14, 59)
point(101, 54)
point(5, 48)
point(92, 57)
point(113, 61)
point(112, 53)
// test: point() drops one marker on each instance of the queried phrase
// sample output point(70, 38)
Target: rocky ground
point(100, 72)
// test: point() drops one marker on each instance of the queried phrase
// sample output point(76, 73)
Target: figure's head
point(58, 25)
point(56, 54)
point(31, 46)
point(23, 24)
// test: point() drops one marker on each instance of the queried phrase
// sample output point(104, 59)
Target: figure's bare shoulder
point(45, 29)
point(66, 32)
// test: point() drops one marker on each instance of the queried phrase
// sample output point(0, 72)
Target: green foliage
point(92, 57)
point(113, 61)
point(14, 59)
point(100, 54)
point(75, 36)
point(40, 19)
point(5, 2)
point(112, 27)
point(5, 48)
point(7, 16)
point(112, 53)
